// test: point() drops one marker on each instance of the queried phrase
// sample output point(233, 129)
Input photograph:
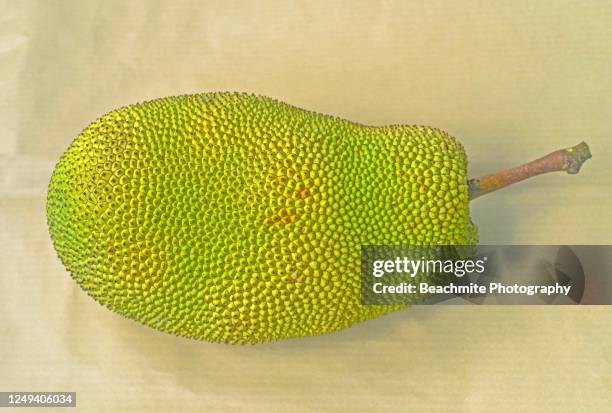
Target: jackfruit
point(238, 218)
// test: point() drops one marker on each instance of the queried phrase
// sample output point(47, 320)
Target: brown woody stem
point(569, 160)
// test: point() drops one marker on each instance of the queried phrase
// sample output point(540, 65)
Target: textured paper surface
point(512, 80)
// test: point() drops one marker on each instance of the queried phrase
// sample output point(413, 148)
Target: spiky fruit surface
point(238, 218)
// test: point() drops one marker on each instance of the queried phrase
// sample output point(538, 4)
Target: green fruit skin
point(238, 218)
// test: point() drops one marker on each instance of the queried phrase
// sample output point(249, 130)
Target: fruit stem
point(569, 160)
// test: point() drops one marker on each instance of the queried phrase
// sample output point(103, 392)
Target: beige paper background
point(512, 79)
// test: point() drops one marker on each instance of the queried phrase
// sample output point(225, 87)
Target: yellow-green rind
point(237, 218)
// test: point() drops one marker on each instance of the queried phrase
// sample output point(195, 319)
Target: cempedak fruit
point(238, 218)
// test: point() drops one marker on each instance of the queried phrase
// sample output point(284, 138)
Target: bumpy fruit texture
point(238, 218)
